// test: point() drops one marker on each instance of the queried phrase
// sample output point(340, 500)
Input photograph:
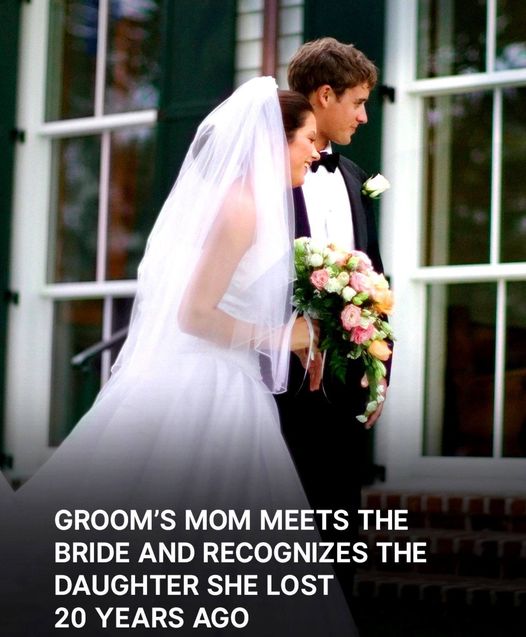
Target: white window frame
point(29, 357)
point(399, 436)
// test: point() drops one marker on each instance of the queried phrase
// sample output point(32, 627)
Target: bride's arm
point(230, 237)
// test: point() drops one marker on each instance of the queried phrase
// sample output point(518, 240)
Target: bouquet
point(350, 300)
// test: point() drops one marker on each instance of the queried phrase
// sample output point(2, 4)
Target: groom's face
point(338, 118)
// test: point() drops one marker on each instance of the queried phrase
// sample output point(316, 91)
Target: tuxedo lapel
point(354, 186)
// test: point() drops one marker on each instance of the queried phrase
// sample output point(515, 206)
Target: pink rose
point(361, 334)
point(365, 263)
point(319, 278)
point(350, 316)
point(360, 282)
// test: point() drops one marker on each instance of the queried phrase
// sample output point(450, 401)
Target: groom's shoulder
point(352, 168)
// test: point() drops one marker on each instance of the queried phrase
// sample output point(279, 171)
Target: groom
point(327, 443)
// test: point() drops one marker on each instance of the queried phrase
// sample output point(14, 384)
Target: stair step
point(449, 589)
point(440, 541)
point(418, 501)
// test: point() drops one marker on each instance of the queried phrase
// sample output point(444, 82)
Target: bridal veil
point(239, 151)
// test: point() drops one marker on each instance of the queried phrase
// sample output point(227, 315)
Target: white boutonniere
point(375, 186)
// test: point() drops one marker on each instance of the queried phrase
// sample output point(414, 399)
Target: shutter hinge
point(10, 296)
point(6, 461)
point(380, 471)
point(387, 91)
point(17, 135)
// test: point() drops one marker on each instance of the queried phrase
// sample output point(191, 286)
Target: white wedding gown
point(199, 430)
point(184, 423)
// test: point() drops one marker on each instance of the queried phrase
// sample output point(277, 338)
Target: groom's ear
point(321, 96)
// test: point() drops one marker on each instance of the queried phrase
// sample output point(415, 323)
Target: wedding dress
point(188, 422)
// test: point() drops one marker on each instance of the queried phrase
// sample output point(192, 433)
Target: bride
point(187, 419)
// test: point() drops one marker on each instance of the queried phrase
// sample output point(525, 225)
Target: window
point(472, 75)
point(101, 96)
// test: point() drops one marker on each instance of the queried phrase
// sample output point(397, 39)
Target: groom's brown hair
point(327, 61)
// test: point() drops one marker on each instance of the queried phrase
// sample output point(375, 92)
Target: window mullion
point(496, 178)
point(107, 329)
point(466, 83)
point(104, 189)
point(94, 125)
point(500, 363)
point(470, 273)
point(491, 35)
point(100, 75)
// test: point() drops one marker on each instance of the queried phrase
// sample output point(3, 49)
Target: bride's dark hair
point(294, 108)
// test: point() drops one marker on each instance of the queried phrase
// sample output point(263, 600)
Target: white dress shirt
point(328, 207)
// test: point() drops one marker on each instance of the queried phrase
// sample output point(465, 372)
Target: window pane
point(460, 370)
point(72, 58)
point(511, 41)
point(451, 37)
point(458, 179)
point(514, 443)
point(131, 214)
point(76, 326)
point(74, 209)
point(513, 240)
point(132, 68)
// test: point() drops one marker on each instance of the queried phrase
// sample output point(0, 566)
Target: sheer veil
point(236, 167)
point(223, 241)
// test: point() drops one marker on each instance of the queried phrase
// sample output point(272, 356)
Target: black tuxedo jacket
point(332, 451)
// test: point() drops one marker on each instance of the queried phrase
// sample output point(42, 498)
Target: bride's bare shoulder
point(238, 211)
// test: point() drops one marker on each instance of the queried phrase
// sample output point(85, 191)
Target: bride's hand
point(314, 366)
point(300, 345)
point(300, 335)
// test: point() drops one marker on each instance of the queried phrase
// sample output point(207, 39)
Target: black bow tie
point(329, 160)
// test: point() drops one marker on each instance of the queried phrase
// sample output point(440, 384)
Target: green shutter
point(362, 24)
point(197, 73)
point(9, 19)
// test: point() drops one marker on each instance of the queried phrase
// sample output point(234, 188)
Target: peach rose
point(380, 350)
point(350, 316)
point(378, 282)
point(384, 301)
point(319, 278)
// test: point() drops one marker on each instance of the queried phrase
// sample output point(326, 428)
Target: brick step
point(448, 542)
point(463, 553)
point(445, 589)
point(469, 512)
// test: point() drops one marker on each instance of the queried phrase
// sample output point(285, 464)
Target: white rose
point(375, 186)
point(348, 293)
point(315, 260)
point(301, 241)
point(333, 285)
point(343, 278)
point(379, 281)
point(336, 257)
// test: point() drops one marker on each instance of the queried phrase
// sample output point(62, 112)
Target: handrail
point(90, 352)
